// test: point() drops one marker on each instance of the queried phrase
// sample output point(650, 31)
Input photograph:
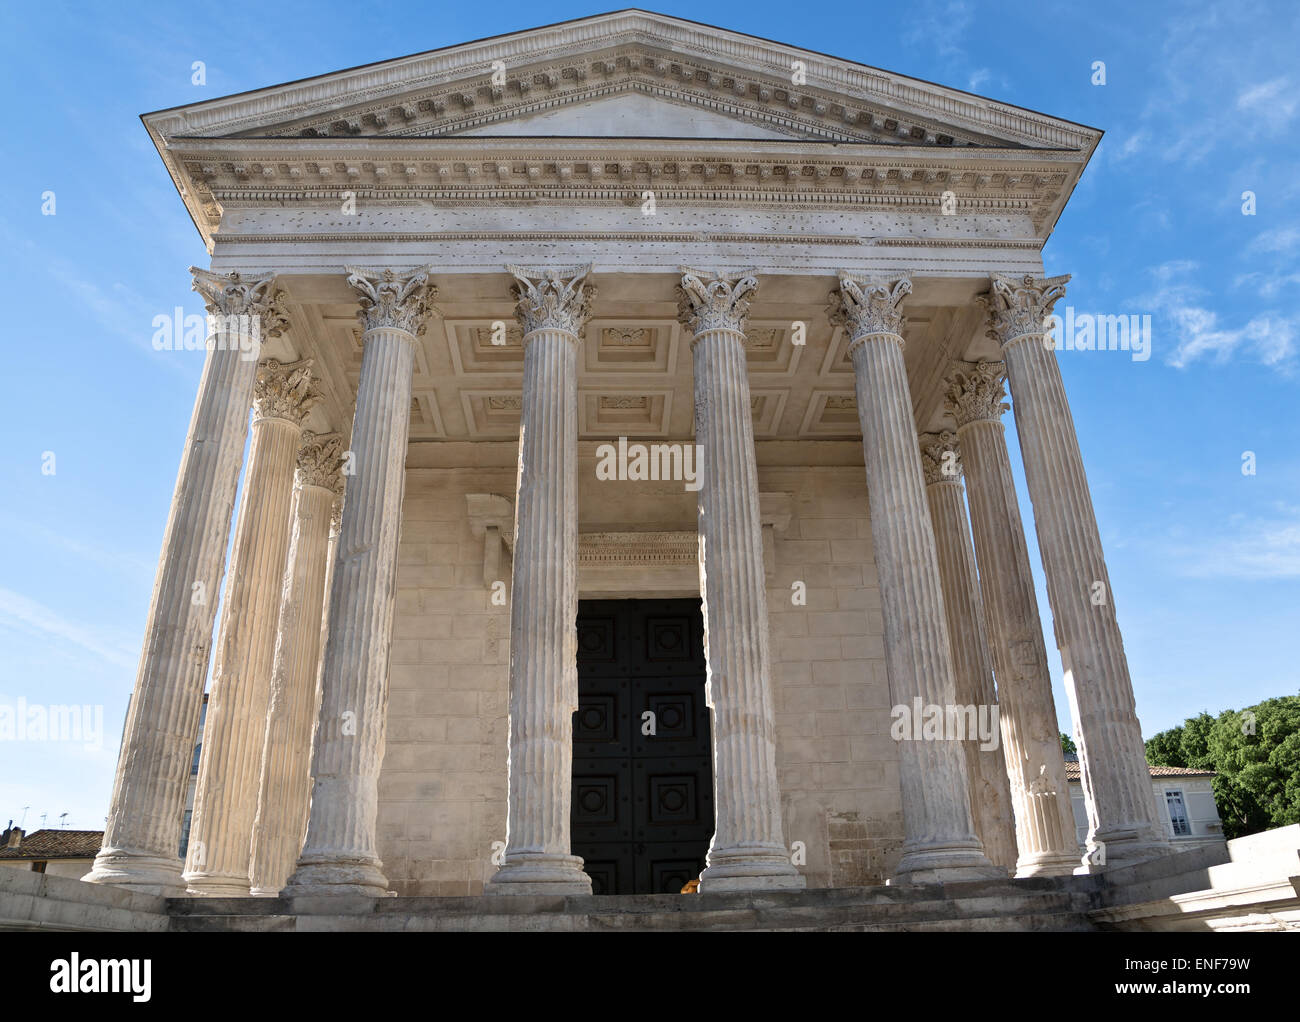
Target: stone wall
point(443, 784)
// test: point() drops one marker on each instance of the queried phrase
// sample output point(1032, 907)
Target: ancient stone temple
point(627, 498)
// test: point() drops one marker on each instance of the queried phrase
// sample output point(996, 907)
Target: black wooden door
point(642, 802)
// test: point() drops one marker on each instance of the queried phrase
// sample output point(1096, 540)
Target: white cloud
point(34, 618)
point(1254, 549)
point(1279, 239)
point(1273, 103)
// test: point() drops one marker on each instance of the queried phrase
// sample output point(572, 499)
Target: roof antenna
point(63, 819)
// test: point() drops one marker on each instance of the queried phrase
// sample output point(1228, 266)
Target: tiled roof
point(56, 844)
point(1072, 771)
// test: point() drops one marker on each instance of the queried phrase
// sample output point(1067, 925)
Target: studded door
point(642, 785)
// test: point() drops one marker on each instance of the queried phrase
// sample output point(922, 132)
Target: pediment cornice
point(449, 90)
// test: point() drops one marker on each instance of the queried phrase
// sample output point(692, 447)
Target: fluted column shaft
point(939, 837)
point(339, 854)
point(1030, 736)
point(1122, 812)
point(144, 822)
point(225, 797)
point(748, 850)
point(986, 774)
point(552, 309)
point(284, 785)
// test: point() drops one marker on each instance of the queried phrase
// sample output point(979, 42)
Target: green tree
point(1255, 753)
point(1067, 744)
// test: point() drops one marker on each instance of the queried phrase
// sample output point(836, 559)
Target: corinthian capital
point(390, 299)
point(284, 391)
point(320, 461)
point(975, 392)
point(869, 307)
point(552, 299)
point(1018, 307)
point(715, 301)
point(940, 457)
point(237, 295)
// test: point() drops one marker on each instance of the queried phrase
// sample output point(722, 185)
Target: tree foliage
point(1255, 753)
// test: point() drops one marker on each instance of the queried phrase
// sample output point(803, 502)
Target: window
point(185, 832)
point(194, 767)
point(1177, 813)
point(39, 866)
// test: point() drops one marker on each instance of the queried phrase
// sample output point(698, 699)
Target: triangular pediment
point(633, 113)
point(631, 73)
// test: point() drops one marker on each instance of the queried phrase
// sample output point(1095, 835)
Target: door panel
point(642, 803)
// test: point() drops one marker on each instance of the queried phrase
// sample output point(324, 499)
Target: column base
point(741, 868)
point(945, 864)
point(1122, 848)
point(1048, 864)
point(536, 873)
point(216, 885)
point(143, 872)
point(338, 876)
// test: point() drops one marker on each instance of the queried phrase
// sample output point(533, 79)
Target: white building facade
point(626, 447)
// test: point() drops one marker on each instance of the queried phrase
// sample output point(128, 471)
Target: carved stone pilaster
point(940, 843)
point(708, 301)
point(552, 299)
point(552, 307)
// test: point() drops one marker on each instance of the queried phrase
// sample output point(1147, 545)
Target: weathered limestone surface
point(225, 800)
point(748, 850)
point(986, 774)
point(339, 854)
point(144, 822)
point(1122, 813)
point(940, 843)
point(285, 785)
point(1030, 737)
point(552, 309)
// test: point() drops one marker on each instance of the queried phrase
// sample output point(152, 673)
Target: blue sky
point(1201, 103)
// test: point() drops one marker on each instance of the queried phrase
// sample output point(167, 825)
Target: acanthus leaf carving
point(869, 308)
point(940, 457)
point(401, 301)
point(975, 392)
point(1018, 307)
point(554, 299)
point(708, 300)
point(284, 390)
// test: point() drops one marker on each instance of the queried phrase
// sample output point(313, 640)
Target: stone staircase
point(1046, 904)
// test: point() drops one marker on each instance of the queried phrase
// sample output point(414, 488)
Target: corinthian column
point(1122, 813)
point(225, 798)
point(986, 775)
point(339, 855)
point(748, 850)
point(285, 785)
point(1030, 737)
point(553, 306)
point(144, 822)
point(939, 837)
